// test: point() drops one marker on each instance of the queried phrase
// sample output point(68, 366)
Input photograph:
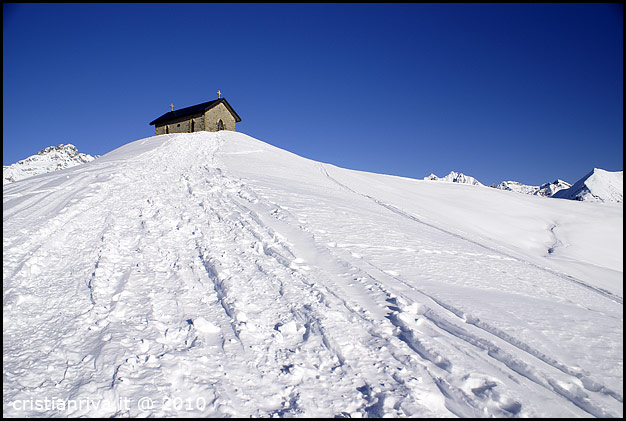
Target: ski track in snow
point(201, 285)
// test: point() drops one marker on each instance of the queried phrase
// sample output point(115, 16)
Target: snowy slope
point(211, 274)
point(52, 158)
point(597, 186)
point(455, 177)
point(546, 189)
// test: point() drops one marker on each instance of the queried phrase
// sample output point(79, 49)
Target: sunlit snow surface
point(211, 274)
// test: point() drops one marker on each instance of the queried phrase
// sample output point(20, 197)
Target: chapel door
point(220, 125)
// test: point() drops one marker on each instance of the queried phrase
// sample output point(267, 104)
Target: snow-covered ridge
point(597, 186)
point(546, 189)
point(455, 177)
point(52, 158)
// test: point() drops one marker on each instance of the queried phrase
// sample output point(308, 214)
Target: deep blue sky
point(528, 92)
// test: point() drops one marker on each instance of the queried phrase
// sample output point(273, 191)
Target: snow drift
point(214, 275)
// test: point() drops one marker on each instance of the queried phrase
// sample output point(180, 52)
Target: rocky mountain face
point(455, 177)
point(52, 158)
point(546, 189)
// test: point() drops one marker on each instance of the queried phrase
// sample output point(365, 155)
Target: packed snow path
point(210, 274)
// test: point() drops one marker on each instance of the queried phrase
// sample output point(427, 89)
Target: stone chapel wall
point(182, 125)
point(207, 121)
point(219, 112)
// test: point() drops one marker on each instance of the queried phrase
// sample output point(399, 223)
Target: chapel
point(209, 116)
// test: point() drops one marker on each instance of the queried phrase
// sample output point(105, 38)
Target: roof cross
point(218, 94)
point(172, 107)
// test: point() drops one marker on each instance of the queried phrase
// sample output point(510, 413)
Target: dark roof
point(195, 109)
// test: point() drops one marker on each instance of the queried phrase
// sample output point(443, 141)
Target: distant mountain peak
point(597, 186)
point(546, 189)
point(549, 189)
point(455, 177)
point(59, 148)
point(51, 158)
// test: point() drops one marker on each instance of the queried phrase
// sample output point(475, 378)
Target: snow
point(52, 158)
point(597, 186)
point(214, 275)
